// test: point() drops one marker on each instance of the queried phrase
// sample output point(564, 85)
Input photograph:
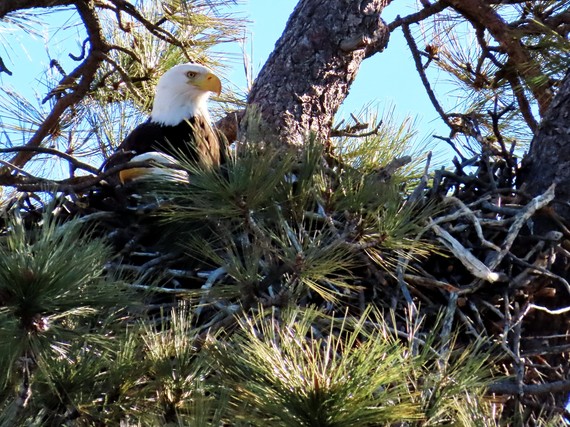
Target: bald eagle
point(179, 123)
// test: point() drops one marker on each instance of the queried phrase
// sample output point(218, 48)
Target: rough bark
point(548, 158)
point(309, 74)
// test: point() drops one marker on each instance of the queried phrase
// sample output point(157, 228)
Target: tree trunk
point(308, 75)
point(549, 156)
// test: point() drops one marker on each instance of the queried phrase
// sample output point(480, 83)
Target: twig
point(495, 117)
point(516, 347)
point(502, 210)
point(212, 277)
point(401, 267)
point(71, 185)
point(468, 325)
point(537, 268)
point(160, 289)
point(81, 56)
point(352, 130)
point(447, 322)
point(452, 145)
point(19, 170)
point(155, 30)
point(428, 282)
point(551, 349)
point(419, 67)
point(524, 105)
point(535, 204)
point(548, 310)
point(125, 77)
point(426, 12)
point(3, 68)
point(475, 221)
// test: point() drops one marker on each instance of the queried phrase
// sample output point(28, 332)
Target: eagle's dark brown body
point(192, 139)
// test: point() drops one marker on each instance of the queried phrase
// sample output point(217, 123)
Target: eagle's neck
point(177, 108)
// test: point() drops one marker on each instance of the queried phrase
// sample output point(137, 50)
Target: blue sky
point(387, 80)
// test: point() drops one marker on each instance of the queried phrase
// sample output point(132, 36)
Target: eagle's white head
point(182, 92)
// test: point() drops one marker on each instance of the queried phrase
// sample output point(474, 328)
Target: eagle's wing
point(194, 139)
point(139, 141)
point(206, 141)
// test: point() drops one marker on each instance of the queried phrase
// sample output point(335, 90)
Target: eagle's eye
point(191, 74)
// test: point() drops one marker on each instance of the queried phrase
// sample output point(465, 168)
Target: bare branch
point(472, 263)
point(426, 12)
point(420, 68)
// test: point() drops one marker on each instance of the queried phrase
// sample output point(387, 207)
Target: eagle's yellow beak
point(209, 82)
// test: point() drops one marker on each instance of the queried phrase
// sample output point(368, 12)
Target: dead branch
point(474, 265)
point(537, 203)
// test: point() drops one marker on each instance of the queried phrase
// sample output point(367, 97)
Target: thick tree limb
point(315, 61)
point(547, 162)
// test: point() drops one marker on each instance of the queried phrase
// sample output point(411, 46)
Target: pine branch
point(156, 30)
point(85, 73)
point(483, 14)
